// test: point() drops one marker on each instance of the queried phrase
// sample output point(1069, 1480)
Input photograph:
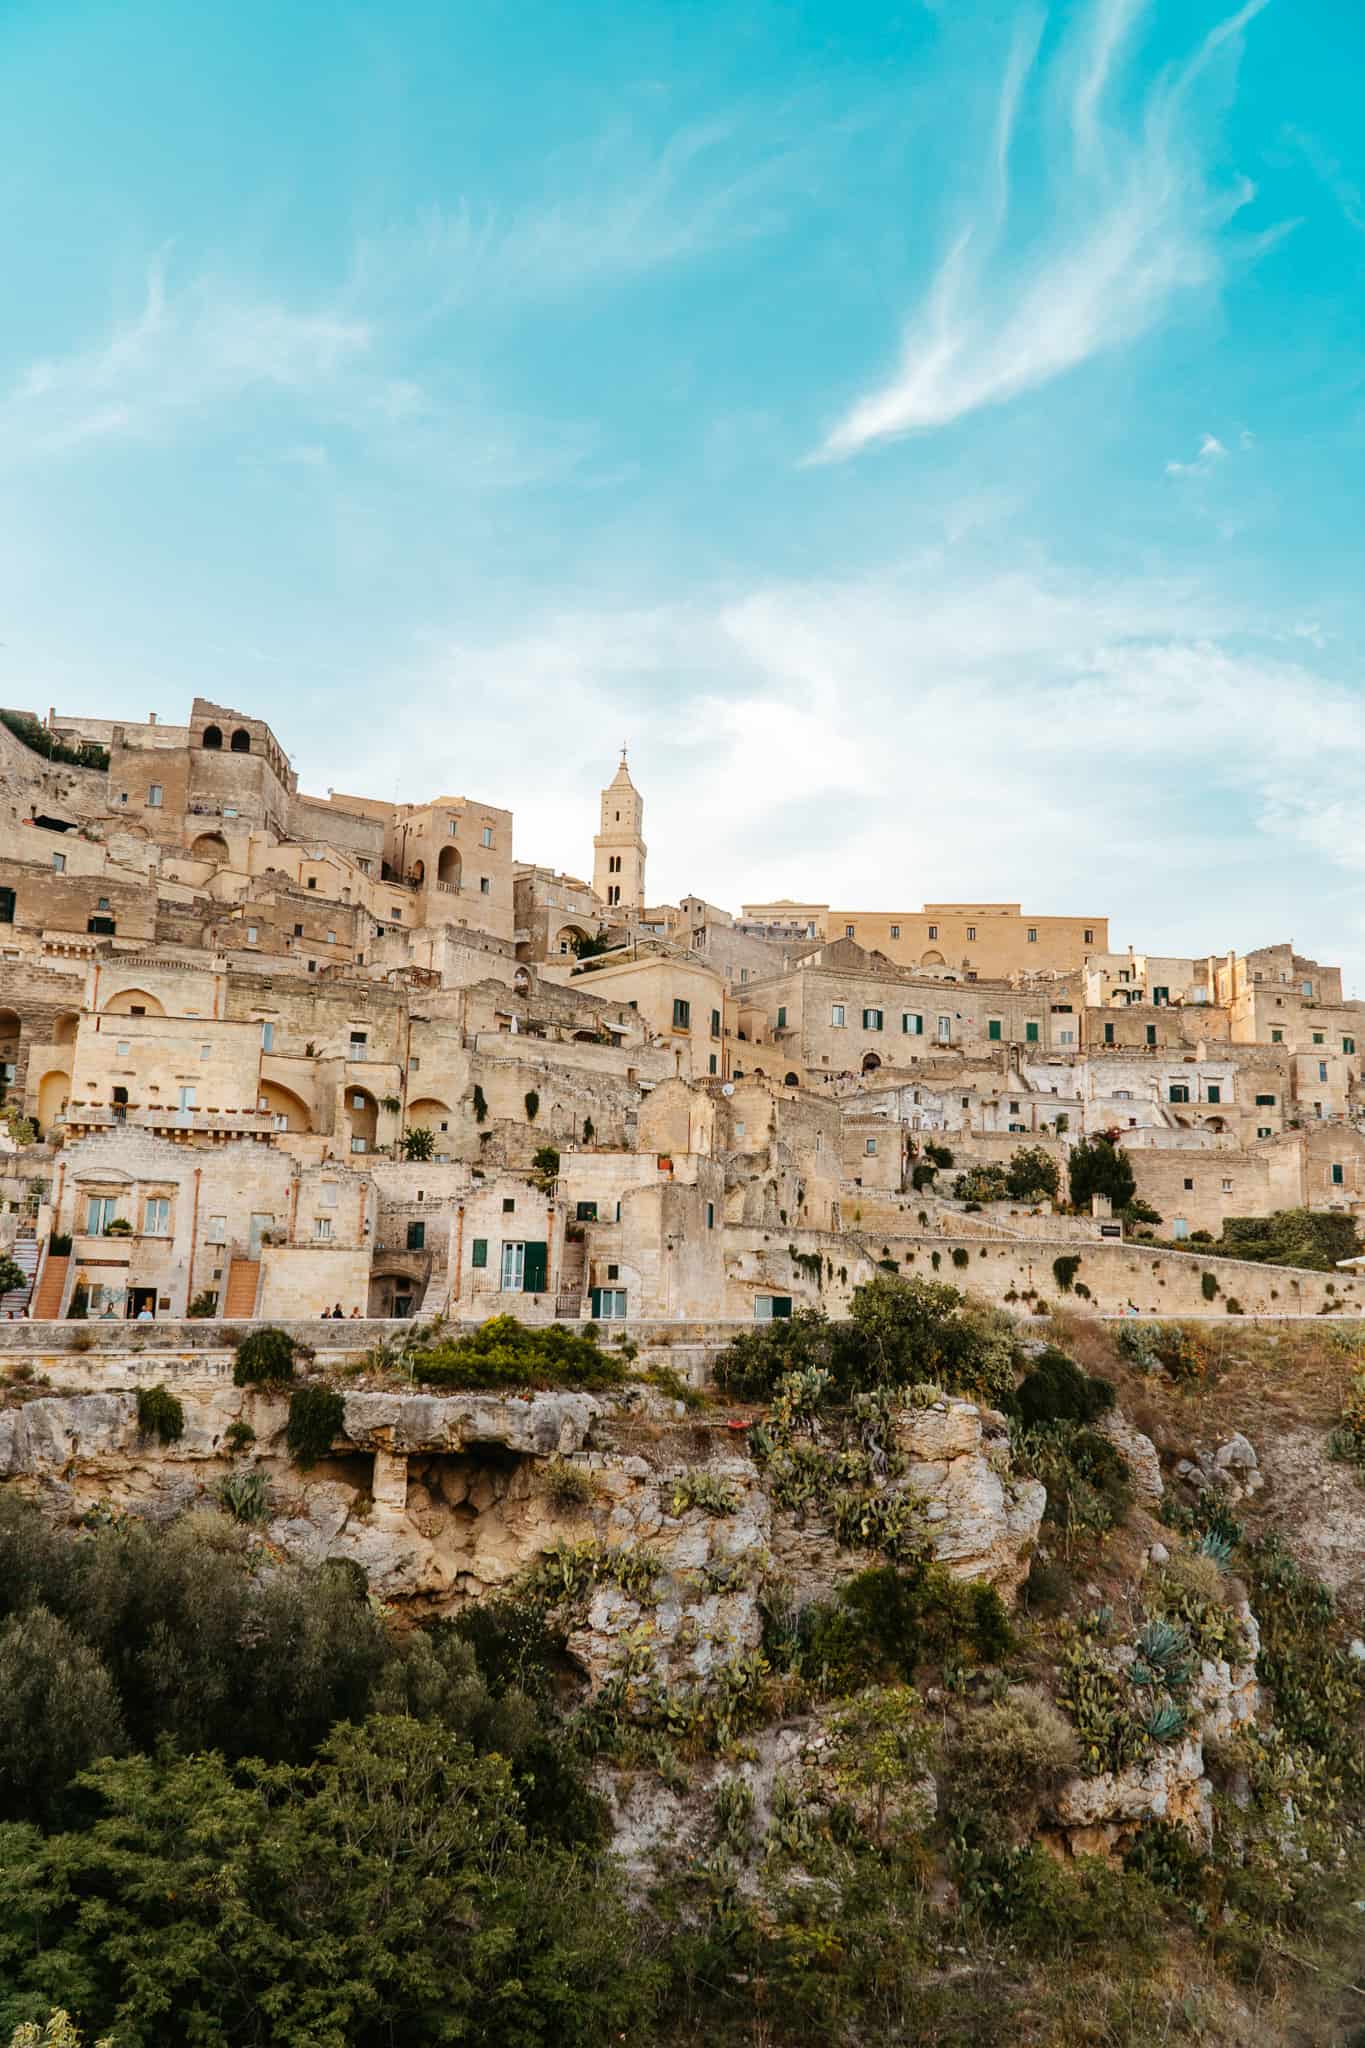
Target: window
point(1108, 1033)
point(154, 795)
point(100, 1212)
point(486, 887)
point(1033, 934)
point(298, 931)
point(1277, 1037)
point(912, 1024)
point(1227, 1186)
point(331, 938)
point(156, 1216)
point(206, 1052)
point(357, 1101)
point(945, 1030)
point(322, 1226)
point(1031, 1033)
point(609, 1304)
point(994, 1027)
point(848, 931)
point(59, 863)
point(187, 1098)
point(710, 1215)
point(1322, 1070)
point(586, 1212)
point(895, 931)
point(870, 1147)
point(1213, 1092)
point(933, 931)
point(478, 1251)
point(1151, 1034)
point(251, 935)
point(312, 966)
point(417, 1237)
point(872, 1020)
point(1308, 989)
point(359, 1045)
point(1088, 937)
point(715, 1023)
point(509, 1203)
point(1318, 1038)
point(781, 1016)
point(1263, 1131)
point(513, 1267)
point(772, 1308)
point(1338, 1174)
point(1179, 1092)
point(682, 1014)
point(836, 1015)
point(971, 932)
point(712, 1066)
point(217, 1230)
point(1161, 996)
point(744, 974)
point(122, 1048)
point(1265, 1102)
point(1348, 1045)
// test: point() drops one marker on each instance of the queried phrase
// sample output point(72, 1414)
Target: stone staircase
point(25, 1254)
point(47, 1302)
point(241, 1287)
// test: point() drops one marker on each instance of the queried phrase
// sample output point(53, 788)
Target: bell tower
point(618, 864)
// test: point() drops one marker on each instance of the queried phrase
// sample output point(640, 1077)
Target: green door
point(536, 1269)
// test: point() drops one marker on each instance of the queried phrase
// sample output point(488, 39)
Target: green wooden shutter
point(595, 1297)
point(782, 1307)
point(536, 1269)
point(417, 1237)
point(479, 1256)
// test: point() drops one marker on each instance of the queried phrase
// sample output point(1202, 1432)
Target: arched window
point(870, 1062)
point(240, 743)
point(210, 846)
point(448, 868)
point(791, 1081)
point(213, 737)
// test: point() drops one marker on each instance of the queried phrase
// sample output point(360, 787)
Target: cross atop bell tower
point(619, 850)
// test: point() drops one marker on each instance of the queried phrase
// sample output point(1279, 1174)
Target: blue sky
point(931, 434)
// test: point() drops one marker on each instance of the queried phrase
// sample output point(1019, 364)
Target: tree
point(1032, 1173)
point(419, 1144)
point(384, 1893)
point(1098, 1167)
point(12, 1274)
point(61, 1713)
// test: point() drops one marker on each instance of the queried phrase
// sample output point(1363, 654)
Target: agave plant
point(1165, 1723)
point(1216, 1546)
point(1163, 1655)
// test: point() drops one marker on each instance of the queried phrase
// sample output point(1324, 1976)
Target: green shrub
point(237, 1437)
point(506, 1353)
point(1065, 1269)
point(961, 1257)
point(883, 1624)
point(79, 1307)
point(1056, 1390)
point(37, 738)
point(160, 1414)
point(316, 1418)
point(702, 1489)
point(1032, 1175)
point(1208, 1285)
point(532, 1101)
point(265, 1358)
point(1087, 1481)
point(204, 1304)
point(59, 1245)
point(545, 1167)
point(1097, 1167)
point(981, 1184)
point(480, 1104)
point(1007, 1758)
point(570, 1485)
point(419, 1144)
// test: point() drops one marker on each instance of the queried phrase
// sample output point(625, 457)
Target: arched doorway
point(213, 738)
point(65, 1027)
point(792, 1081)
point(448, 869)
point(133, 1002)
point(288, 1111)
point(871, 1062)
point(53, 1090)
point(210, 846)
point(240, 743)
point(429, 1114)
point(362, 1117)
point(568, 940)
point(419, 873)
point(521, 982)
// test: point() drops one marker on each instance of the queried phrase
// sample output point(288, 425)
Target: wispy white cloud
point(1211, 453)
point(929, 734)
point(1131, 224)
point(187, 348)
point(1332, 174)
